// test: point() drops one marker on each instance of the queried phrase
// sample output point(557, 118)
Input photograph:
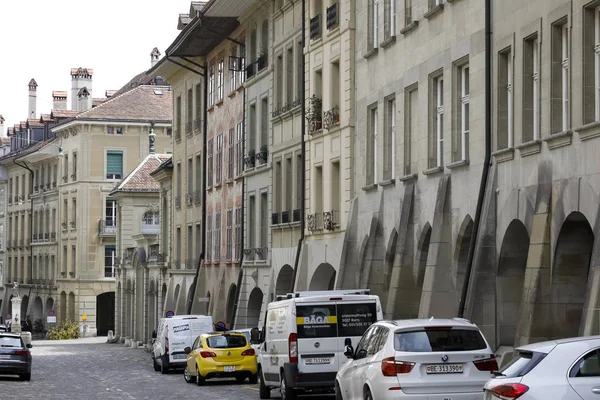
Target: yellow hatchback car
point(220, 355)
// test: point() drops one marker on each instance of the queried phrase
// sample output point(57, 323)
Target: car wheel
point(338, 391)
point(287, 393)
point(265, 392)
point(200, 380)
point(253, 379)
point(368, 395)
point(155, 364)
point(25, 377)
point(189, 378)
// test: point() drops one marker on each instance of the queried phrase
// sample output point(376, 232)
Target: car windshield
point(439, 340)
point(226, 342)
point(9, 341)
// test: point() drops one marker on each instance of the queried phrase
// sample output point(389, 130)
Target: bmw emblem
point(444, 358)
point(317, 344)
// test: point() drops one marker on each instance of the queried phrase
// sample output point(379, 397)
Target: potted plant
point(263, 58)
point(264, 151)
point(251, 158)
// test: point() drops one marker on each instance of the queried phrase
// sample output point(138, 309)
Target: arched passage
point(408, 298)
point(49, 305)
point(231, 304)
point(463, 242)
point(560, 316)
point(509, 280)
point(105, 313)
point(24, 307)
point(284, 280)
point(254, 306)
point(323, 278)
point(38, 309)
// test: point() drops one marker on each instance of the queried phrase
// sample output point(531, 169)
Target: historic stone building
point(141, 279)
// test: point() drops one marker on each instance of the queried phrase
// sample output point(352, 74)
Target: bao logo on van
point(181, 328)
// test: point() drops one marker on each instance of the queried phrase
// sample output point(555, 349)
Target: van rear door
point(317, 337)
point(179, 338)
point(354, 318)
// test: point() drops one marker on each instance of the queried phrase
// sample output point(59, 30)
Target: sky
point(44, 39)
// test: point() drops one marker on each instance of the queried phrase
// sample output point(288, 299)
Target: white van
point(303, 338)
point(173, 335)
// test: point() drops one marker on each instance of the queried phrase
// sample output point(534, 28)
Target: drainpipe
point(204, 162)
point(488, 153)
point(302, 150)
point(25, 166)
point(238, 288)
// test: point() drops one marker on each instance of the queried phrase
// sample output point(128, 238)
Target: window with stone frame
point(219, 160)
point(198, 119)
point(389, 18)
point(211, 84)
point(209, 231)
point(531, 89)
point(460, 129)
point(591, 62)
point(436, 120)
point(411, 108)
point(408, 12)
point(229, 239)
point(231, 154)
point(278, 88)
point(190, 111)
point(220, 78)
point(238, 233)
point(233, 81)
point(373, 25)
point(209, 161)
point(239, 148)
point(505, 99)
point(435, 3)
point(389, 139)
point(217, 237)
point(559, 76)
point(372, 146)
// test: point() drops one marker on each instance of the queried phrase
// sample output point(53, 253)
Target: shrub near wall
point(63, 331)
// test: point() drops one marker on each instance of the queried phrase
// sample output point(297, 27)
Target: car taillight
point(391, 367)
point(207, 354)
point(489, 364)
point(249, 352)
point(21, 352)
point(166, 344)
point(293, 348)
point(510, 391)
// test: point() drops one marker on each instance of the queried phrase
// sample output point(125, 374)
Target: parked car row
point(337, 342)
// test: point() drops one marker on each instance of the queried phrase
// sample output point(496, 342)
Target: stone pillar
point(16, 315)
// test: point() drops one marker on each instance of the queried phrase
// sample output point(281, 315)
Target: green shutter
point(114, 163)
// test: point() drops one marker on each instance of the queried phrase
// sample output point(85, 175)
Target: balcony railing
point(52, 236)
point(262, 156)
point(315, 27)
point(257, 65)
point(161, 257)
point(64, 226)
point(331, 118)
point(331, 220)
point(249, 254)
point(188, 128)
point(262, 253)
point(332, 16)
point(250, 161)
point(314, 222)
point(178, 202)
point(197, 125)
point(107, 227)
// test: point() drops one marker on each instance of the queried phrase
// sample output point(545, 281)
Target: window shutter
point(114, 163)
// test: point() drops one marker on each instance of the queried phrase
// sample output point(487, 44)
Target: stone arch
point(461, 253)
point(24, 307)
point(71, 307)
point(254, 307)
point(323, 278)
point(105, 313)
point(408, 299)
point(559, 315)
point(38, 309)
point(284, 280)
point(390, 253)
point(63, 307)
point(230, 304)
point(49, 305)
point(509, 281)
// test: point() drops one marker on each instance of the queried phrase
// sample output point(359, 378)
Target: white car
point(433, 359)
point(557, 369)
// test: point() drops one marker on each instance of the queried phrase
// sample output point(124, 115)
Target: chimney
point(81, 78)
point(32, 98)
point(59, 100)
point(154, 57)
point(84, 99)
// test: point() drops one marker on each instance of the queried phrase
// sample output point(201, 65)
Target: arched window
point(151, 218)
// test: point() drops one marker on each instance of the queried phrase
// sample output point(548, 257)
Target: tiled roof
point(80, 70)
point(59, 93)
point(27, 150)
point(144, 103)
point(110, 93)
point(32, 82)
point(34, 122)
point(139, 180)
point(167, 164)
point(46, 118)
point(97, 101)
point(63, 113)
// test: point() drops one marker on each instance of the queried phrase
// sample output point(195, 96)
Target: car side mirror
point(349, 353)
point(362, 353)
point(154, 334)
point(255, 335)
point(187, 350)
point(29, 345)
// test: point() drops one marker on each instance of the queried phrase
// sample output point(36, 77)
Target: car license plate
point(179, 356)
point(444, 369)
point(229, 368)
point(316, 360)
point(4, 357)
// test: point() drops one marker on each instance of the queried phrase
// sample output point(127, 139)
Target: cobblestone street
point(92, 369)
